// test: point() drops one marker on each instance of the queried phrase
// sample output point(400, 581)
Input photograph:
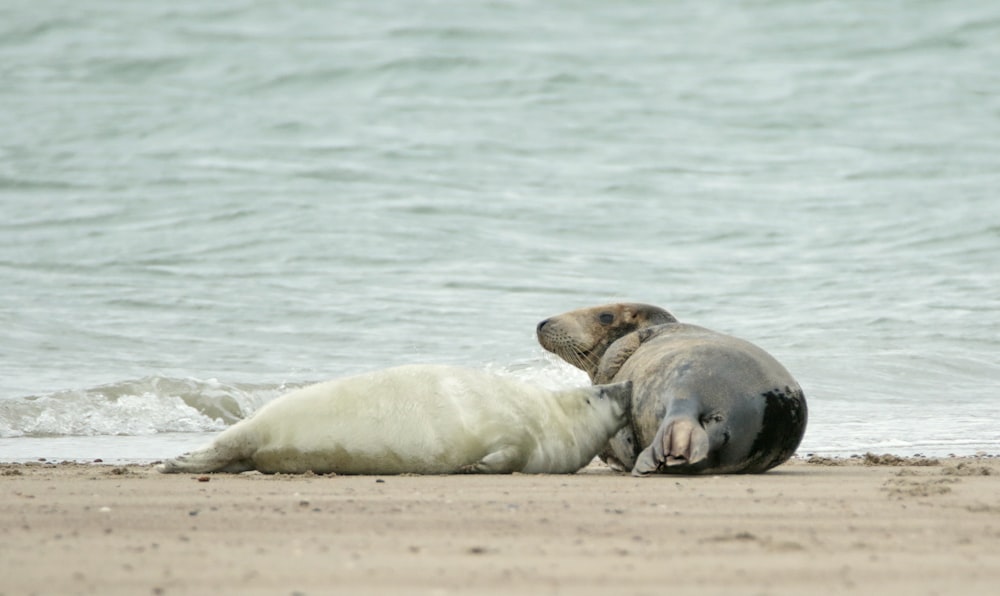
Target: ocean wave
point(143, 406)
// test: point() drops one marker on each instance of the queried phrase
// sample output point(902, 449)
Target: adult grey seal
point(419, 419)
point(702, 402)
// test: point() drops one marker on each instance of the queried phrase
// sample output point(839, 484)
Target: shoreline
point(869, 458)
point(878, 524)
point(145, 449)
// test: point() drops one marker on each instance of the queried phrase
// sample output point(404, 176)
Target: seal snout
point(541, 326)
point(620, 393)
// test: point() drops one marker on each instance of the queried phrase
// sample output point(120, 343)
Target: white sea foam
point(142, 407)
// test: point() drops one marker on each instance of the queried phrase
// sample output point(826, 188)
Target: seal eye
point(606, 318)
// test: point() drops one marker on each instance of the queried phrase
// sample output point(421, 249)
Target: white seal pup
point(419, 419)
point(703, 402)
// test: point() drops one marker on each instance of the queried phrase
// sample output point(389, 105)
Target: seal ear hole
point(712, 418)
point(606, 318)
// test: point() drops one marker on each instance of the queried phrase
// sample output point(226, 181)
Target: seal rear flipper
point(222, 455)
point(678, 442)
point(203, 461)
point(646, 463)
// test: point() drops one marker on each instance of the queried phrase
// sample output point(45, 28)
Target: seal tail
point(229, 452)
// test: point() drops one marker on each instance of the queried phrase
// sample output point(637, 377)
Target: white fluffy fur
point(422, 420)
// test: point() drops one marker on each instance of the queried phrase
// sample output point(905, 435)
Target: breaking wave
point(143, 406)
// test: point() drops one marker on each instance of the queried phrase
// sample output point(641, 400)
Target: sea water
point(204, 205)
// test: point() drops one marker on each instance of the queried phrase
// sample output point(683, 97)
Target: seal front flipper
point(615, 357)
point(501, 461)
point(623, 348)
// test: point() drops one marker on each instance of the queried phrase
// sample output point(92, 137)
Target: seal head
point(581, 337)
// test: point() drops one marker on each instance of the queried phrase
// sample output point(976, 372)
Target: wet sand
point(875, 525)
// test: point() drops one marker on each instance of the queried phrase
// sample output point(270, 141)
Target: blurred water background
point(203, 205)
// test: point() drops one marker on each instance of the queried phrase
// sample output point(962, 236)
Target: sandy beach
point(864, 525)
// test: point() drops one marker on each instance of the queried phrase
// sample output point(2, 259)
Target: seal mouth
point(571, 349)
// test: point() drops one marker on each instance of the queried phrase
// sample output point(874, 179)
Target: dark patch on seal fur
point(781, 430)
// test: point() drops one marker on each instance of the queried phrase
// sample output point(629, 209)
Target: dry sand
point(863, 525)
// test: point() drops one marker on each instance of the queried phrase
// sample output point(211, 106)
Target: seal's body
point(418, 419)
point(702, 401)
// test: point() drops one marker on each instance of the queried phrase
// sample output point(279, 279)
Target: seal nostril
point(542, 325)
